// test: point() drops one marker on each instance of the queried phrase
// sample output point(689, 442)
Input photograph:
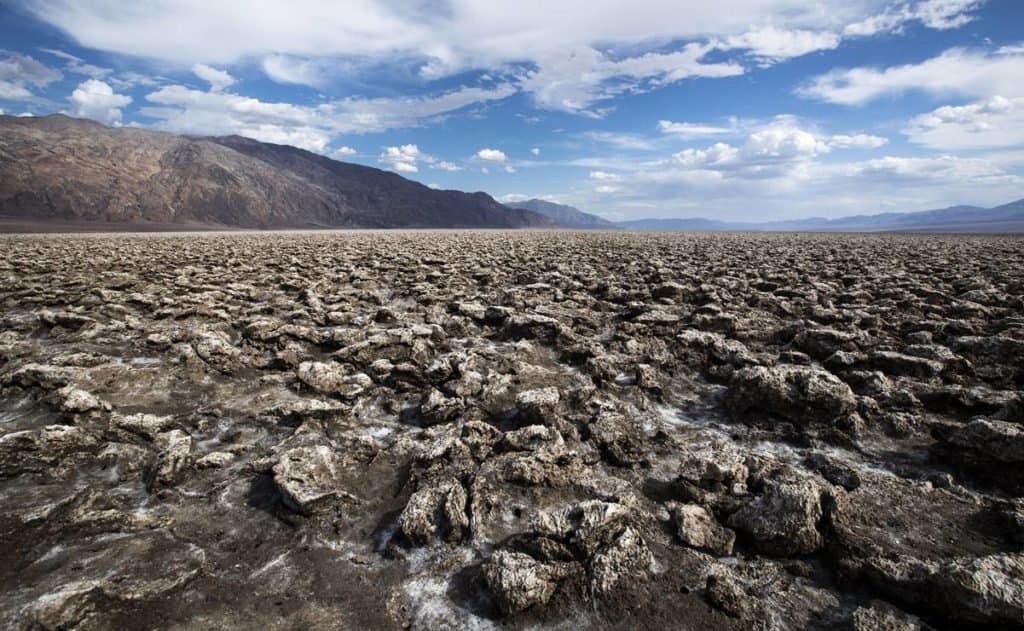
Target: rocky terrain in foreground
point(513, 430)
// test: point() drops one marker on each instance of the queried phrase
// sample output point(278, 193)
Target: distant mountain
point(565, 216)
point(1008, 218)
point(61, 170)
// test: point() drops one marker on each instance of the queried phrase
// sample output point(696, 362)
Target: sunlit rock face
point(511, 430)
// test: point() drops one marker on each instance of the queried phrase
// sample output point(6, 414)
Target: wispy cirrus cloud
point(956, 72)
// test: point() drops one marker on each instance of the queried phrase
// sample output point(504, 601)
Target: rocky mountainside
point(565, 216)
point(62, 170)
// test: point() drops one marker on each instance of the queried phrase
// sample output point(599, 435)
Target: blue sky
point(732, 109)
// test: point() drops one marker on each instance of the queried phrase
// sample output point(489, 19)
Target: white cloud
point(444, 165)
point(606, 189)
point(773, 44)
point(13, 92)
point(77, 65)
point(97, 100)
point(491, 155)
point(574, 80)
point(402, 158)
point(22, 69)
point(603, 175)
point(575, 59)
point(130, 79)
point(691, 130)
point(934, 14)
point(218, 79)
point(584, 53)
point(485, 170)
point(775, 147)
point(510, 169)
point(535, 151)
point(294, 70)
point(805, 187)
point(512, 198)
point(468, 33)
point(19, 71)
point(779, 142)
point(856, 141)
point(345, 151)
point(631, 142)
point(185, 110)
point(718, 154)
point(994, 122)
point(957, 71)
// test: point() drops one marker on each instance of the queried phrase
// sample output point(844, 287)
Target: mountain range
point(1007, 218)
point(62, 173)
point(73, 172)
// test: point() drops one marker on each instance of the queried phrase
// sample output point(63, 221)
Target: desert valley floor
point(551, 430)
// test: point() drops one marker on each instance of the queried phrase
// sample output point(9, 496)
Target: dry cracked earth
point(551, 430)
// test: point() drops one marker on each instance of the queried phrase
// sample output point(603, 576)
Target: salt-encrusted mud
point(548, 430)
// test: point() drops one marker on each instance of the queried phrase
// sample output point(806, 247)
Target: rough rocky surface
point(454, 430)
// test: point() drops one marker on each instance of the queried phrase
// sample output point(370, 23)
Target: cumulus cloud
point(97, 100)
point(407, 158)
point(603, 175)
point(990, 123)
point(402, 158)
point(774, 44)
point(778, 143)
point(957, 71)
point(491, 155)
point(535, 151)
point(345, 150)
point(218, 79)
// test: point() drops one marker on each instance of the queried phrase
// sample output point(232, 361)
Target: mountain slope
point(1005, 218)
point(565, 216)
point(60, 169)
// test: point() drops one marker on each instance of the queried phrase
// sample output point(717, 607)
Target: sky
point(729, 109)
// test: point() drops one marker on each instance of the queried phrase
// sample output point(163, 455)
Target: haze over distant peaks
point(1003, 219)
point(565, 216)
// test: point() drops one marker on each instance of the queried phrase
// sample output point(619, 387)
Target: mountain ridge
point(57, 169)
point(1007, 217)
